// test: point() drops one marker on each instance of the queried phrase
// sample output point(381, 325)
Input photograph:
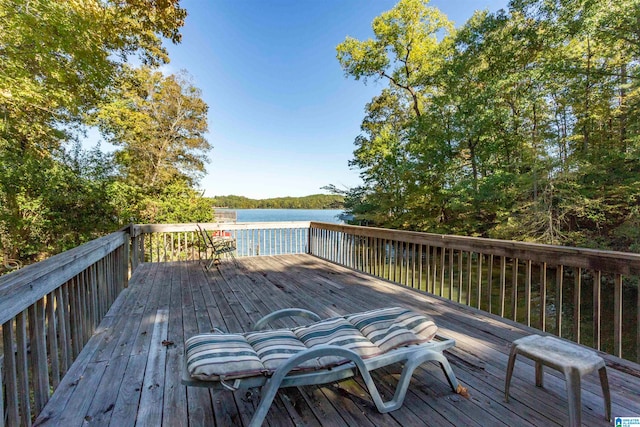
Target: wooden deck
point(129, 372)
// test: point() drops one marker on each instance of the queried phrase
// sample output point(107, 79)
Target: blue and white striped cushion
point(275, 347)
point(394, 327)
point(221, 356)
point(338, 332)
point(229, 356)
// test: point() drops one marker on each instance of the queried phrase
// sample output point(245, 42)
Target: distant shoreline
point(314, 201)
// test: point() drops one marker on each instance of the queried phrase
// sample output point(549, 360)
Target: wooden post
point(480, 256)
point(617, 316)
point(597, 285)
point(577, 289)
point(514, 285)
point(527, 293)
point(503, 284)
point(1, 393)
point(22, 369)
point(125, 264)
point(469, 278)
point(559, 296)
point(10, 377)
point(543, 296)
point(490, 282)
point(460, 274)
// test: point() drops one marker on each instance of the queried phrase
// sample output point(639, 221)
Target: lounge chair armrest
point(285, 312)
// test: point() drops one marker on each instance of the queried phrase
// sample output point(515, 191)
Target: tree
point(404, 50)
point(159, 122)
point(59, 59)
point(520, 124)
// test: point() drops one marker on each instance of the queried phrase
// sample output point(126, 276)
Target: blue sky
point(282, 115)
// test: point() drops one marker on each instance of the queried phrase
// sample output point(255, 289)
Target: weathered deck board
point(129, 372)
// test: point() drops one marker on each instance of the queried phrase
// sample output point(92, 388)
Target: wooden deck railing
point(588, 296)
point(48, 311)
point(181, 242)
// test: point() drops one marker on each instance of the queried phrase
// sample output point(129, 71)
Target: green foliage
point(315, 201)
point(48, 205)
point(59, 57)
point(160, 124)
point(63, 61)
point(521, 124)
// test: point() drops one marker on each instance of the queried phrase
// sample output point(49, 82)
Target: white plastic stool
point(571, 359)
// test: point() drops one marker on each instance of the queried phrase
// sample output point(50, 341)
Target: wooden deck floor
point(129, 372)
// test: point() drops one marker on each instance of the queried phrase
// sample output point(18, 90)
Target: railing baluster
point(559, 297)
point(503, 284)
point(434, 268)
point(480, 256)
point(1, 391)
point(451, 269)
point(460, 274)
point(76, 328)
point(442, 269)
point(66, 333)
point(617, 316)
point(490, 282)
point(52, 340)
point(395, 260)
point(427, 265)
point(39, 368)
point(527, 293)
point(514, 286)
point(22, 368)
point(597, 293)
point(577, 290)
point(543, 296)
point(415, 283)
point(469, 277)
point(11, 389)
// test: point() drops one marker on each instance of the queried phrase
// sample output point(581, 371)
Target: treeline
point(521, 124)
point(315, 201)
point(65, 70)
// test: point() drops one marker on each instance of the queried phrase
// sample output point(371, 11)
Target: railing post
point(638, 325)
point(9, 377)
point(124, 264)
point(617, 316)
point(1, 393)
point(597, 288)
point(559, 298)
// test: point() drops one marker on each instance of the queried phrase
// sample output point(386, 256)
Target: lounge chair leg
point(407, 372)
point(272, 385)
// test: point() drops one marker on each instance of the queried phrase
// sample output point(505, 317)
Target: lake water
point(278, 241)
point(269, 215)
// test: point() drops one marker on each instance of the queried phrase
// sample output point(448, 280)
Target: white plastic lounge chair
point(322, 352)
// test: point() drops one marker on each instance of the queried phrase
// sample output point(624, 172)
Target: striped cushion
point(394, 327)
point(338, 332)
point(221, 356)
point(228, 356)
point(275, 347)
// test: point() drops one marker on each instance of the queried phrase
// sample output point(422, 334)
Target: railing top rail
point(21, 288)
point(607, 261)
point(160, 228)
